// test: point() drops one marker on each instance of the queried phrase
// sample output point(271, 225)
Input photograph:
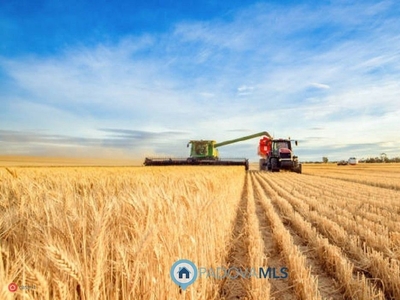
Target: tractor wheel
point(299, 169)
point(263, 167)
point(269, 165)
point(274, 165)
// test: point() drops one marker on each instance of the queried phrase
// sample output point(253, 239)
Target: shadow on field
point(237, 255)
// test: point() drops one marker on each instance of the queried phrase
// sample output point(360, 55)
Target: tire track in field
point(238, 256)
point(280, 289)
point(327, 284)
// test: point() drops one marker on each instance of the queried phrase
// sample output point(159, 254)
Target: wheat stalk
point(12, 172)
point(63, 263)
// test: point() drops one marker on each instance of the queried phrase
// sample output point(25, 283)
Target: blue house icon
point(183, 272)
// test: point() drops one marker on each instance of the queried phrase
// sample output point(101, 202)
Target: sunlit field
point(379, 174)
point(114, 232)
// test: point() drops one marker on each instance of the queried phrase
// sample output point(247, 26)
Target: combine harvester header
point(205, 152)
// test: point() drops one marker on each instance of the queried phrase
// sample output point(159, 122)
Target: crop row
point(376, 175)
point(340, 232)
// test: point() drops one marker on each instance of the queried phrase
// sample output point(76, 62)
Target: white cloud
point(320, 86)
point(266, 68)
point(245, 88)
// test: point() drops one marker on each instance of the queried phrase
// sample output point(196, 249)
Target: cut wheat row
point(345, 188)
point(375, 235)
point(374, 181)
point(385, 269)
point(382, 202)
point(365, 257)
point(385, 218)
point(305, 284)
point(384, 175)
point(330, 255)
point(380, 226)
point(259, 289)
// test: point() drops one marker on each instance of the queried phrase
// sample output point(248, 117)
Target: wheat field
point(114, 232)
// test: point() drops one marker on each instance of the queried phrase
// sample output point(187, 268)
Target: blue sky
point(134, 79)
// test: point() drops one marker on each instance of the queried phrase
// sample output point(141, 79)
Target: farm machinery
point(277, 154)
point(205, 152)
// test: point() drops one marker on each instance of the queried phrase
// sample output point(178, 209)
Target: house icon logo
point(183, 273)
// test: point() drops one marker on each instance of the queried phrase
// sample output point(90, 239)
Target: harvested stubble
point(258, 289)
point(332, 257)
point(304, 283)
point(323, 210)
point(386, 175)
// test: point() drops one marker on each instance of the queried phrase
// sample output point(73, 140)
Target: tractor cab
point(282, 149)
point(281, 144)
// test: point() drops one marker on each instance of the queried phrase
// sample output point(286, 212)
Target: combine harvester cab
point(277, 154)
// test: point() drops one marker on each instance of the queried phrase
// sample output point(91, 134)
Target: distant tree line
point(381, 160)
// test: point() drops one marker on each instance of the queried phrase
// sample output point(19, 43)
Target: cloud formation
point(284, 69)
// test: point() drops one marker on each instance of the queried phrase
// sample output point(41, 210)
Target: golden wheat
point(114, 232)
point(98, 230)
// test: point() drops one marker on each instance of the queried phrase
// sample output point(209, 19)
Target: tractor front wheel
point(274, 165)
point(262, 164)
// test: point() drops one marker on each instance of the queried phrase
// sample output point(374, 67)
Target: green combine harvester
point(205, 152)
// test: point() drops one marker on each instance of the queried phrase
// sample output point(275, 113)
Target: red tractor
point(277, 154)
